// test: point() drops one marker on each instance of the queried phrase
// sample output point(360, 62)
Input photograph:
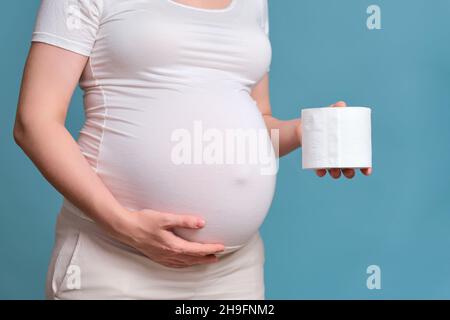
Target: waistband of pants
point(81, 221)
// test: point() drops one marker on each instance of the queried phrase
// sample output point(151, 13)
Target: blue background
point(320, 234)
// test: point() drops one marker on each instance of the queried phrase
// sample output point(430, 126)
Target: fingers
point(366, 171)
point(335, 173)
point(183, 261)
point(190, 260)
point(321, 172)
point(348, 173)
point(180, 246)
point(339, 104)
point(182, 221)
point(195, 249)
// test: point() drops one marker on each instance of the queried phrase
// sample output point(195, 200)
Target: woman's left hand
point(337, 172)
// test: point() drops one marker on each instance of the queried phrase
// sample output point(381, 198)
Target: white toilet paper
point(336, 137)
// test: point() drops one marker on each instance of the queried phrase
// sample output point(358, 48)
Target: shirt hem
point(61, 42)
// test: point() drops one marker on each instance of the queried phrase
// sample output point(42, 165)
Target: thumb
point(183, 221)
point(339, 104)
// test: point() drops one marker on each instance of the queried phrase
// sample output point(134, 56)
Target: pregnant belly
point(202, 154)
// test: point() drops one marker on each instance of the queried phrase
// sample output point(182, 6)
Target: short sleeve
point(68, 24)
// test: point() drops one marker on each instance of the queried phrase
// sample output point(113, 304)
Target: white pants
point(88, 264)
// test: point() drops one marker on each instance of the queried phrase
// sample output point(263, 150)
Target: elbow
point(18, 134)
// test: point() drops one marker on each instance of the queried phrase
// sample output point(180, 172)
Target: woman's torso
point(161, 76)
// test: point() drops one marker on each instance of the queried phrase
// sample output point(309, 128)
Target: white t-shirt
point(159, 71)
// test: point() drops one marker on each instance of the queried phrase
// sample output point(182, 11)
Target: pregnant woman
point(136, 223)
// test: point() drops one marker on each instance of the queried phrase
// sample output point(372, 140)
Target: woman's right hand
point(151, 233)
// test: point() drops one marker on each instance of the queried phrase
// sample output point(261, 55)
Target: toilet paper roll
point(336, 137)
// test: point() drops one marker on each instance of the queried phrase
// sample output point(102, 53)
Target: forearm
point(289, 133)
point(58, 157)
